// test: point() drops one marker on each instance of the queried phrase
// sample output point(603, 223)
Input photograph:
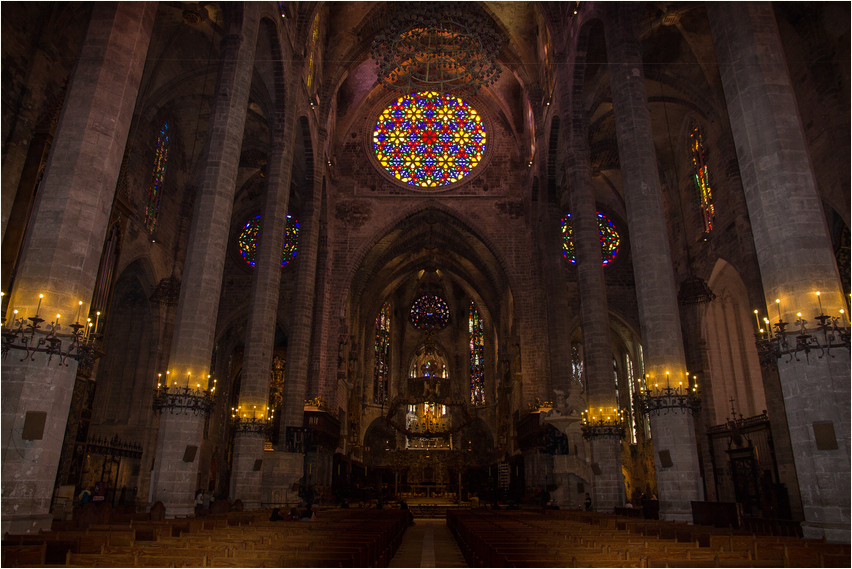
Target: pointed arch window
point(312, 52)
point(381, 370)
point(531, 126)
point(701, 177)
point(477, 356)
point(577, 362)
point(152, 208)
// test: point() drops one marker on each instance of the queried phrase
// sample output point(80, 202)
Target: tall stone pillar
point(601, 397)
point(260, 337)
point(13, 236)
point(174, 472)
point(678, 481)
point(299, 344)
point(793, 250)
point(71, 213)
point(23, 140)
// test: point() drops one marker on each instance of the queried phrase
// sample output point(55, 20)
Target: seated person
point(276, 516)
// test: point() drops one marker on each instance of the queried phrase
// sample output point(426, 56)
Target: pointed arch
point(728, 329)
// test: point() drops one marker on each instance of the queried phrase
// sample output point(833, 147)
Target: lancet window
point(477, 356)
point(381, 370)
point(158, 177)
point(701, 177)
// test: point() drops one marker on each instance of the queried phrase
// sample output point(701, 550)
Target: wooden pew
point(24, 555)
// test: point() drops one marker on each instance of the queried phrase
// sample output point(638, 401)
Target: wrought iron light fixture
point(258, 425)
point(694, 290)
point(83, 342)
point(183, 400)
point(668, 399)
point(603, 423)
point(828, 334)
point(442, 47)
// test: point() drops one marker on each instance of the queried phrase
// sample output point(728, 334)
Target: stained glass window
point(477, 357)
point(312, 51)
point(610, 239)
point(152, 208)
point(701, 177)
point(251, 231)
point(628, 365)
point(381, 371)
point(577, 362)
point(429, 139)
point(531, 124)
point(429, 312)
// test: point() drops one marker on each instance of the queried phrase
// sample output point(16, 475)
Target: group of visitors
point(204, 500)
point(309, 514)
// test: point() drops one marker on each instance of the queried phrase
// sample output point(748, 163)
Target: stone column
point(174, 479)
point(793, 250)
point(299, 345)
point(71, 213)
point(680, 483)
point(260, 337)
point(18, 150)
point(594, 315)
point(21, 208)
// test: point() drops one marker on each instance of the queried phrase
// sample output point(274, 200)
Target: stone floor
point(428, 543)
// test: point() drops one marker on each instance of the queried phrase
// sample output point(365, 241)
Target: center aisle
point(428, 543)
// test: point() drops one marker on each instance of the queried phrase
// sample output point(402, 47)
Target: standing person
point(588, 502)
point(85, 496)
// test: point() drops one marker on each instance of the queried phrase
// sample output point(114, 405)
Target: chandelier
point(447, 48)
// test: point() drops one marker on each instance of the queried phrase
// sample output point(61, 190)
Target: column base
point(676, 516)
point(179, 512)
point(32, 523)
point(281, 470)
point(833, 533)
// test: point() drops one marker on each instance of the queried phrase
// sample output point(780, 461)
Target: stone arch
point(733, 365)
point(126, 375)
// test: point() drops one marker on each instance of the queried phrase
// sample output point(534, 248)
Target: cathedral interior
point(532, 251)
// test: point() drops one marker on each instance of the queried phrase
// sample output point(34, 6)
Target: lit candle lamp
point(97, 318)
point(39, 304)
point(820, 303)
point(79, 307)
point(56, 325)
point(14, 316)
point(843, 315)
point(757, 319)
point(778, 304)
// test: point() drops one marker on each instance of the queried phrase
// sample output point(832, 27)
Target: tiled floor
point(428, 543)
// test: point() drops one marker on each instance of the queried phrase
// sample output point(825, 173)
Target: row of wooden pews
point(589, 539)
point(338, 538)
